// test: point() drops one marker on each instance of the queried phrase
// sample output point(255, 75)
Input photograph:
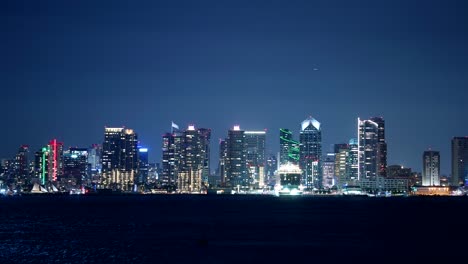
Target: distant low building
point(431, 190)
point(385, 184)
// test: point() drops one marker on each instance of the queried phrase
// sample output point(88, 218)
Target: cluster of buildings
point(120, 163)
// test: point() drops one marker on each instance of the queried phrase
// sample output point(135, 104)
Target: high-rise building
point(431, 168)
point(41, 161)
point(271, 167)
point(222, 161)
point(255, 143)
point(328, 171)
point(368, 146)
point(21, 165)
point(381, 146)
point(55, 160)
point(353, 161)
point(119, 159)
point(310, 140)
point(236, 159)
point(205, 138)
point(186, 158)
point(143, 165)
point(171, 151)
point(94, 157)
point(289, 148)
point(75, 167)
point(459, 161)
point(192, 160)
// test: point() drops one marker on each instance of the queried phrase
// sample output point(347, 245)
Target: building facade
point(256, 153)
point(431, 168)
point(459, 161)
point(119, 159)
point(289, 148)
point(236, 159)
point(310, 140)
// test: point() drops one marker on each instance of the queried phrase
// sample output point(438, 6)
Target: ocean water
point(231, 229)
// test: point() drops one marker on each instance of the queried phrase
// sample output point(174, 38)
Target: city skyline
point(156, 155)
point(71, 68)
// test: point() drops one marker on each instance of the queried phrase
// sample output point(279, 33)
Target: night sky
point(69, 68)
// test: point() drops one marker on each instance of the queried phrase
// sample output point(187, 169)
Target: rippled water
point(234, 229)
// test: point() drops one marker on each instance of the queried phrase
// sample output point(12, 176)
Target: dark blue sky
point(69, 68)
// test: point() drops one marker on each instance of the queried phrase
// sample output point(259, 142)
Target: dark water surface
point(231, 229)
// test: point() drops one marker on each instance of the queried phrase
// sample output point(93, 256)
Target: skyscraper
point(368, 149)
point(171, 151)
point(328, 170)
point(143, 165)
point(381, 146)
point(75, 166)
point(255, 143)
point(55, 160)
point(222, 161)
point(236, 159)
point(119, 159)
point(41, 161)
point(289, 148)
point(193, 157)
point(459, 161)
point(21, 165)
point(310, 140)
point(431, 168)
point(205, 138)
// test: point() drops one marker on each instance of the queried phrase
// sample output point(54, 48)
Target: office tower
point(119, 159)
point(143, 165)
point(368, 141)
point(75, 167)
point(205, 137)
point(431, 168)
point(328, 170)
point(41, 161)
point(55, 160)
point(353, 161)
point(310, 140)
point(271, 167)
point(192, 161)
point(171, 148)
point(459, 161)
point(236, 159)
point(255, 142)
point(289, 148)
point(94, 158)
point(222, 161)
point(381, 146)
point(21, 166)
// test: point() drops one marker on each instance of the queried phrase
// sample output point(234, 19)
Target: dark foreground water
point(232, 229)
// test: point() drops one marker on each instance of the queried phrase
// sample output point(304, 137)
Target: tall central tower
point(310, 140)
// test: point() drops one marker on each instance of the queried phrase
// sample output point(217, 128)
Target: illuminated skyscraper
point(236, 159)
point(205, 138)
point(431, 168)
point(328, 170)
point(119, 159)
point(368, 149)
point(192, 163)
point(75, 166)
point(310, 140)
point(222, 161)
point(41, 162)
point(289, 148)
point(21, 166)
point(143, 165)
point(55, 160)
point(171, 148)
point(256, 152)
point(459, 161)
point(381, 146)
